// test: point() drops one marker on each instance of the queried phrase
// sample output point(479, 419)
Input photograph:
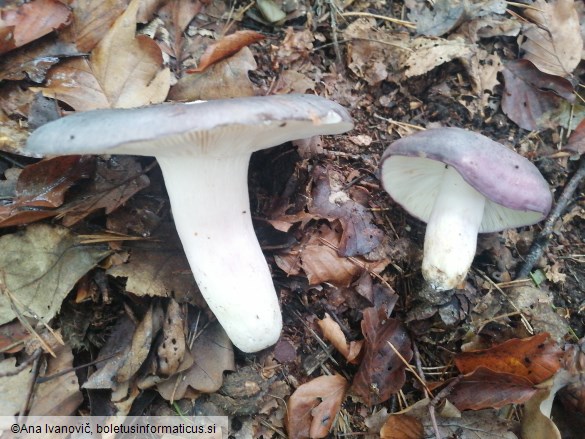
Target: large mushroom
point(461, 183)
point(203, 150)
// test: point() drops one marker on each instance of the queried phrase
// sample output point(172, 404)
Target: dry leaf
point(39, 267)
point(226, 47)
point(212, 355)
point(381, 371)
point(12, 385)
point(138, 350)
point(402, 426)
point(31, 21)
point(554, 42)
point(333, 333)
point(536, 358)
point(225, 79)
point(172, 348)
point(484, 388)
point(428, 53)
point(313, 406)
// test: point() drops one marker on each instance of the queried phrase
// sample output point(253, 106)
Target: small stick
point(543, 237)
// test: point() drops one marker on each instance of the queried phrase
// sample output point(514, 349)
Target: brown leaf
point(124, 70)
point(332, 332)
point(484, 388)
point(381, 371)
point(114, 182)
point(31, 21)
point(92, 20)
point(138, 350)
point(313, 406)
point(402, 426)
point(535, 358)
point(531, 97)
point(554, 42)
point(12, 337)
point(172, 348)
point(212, 355)
point(576, 141)
point(360, 235)
point(226, 47)
point(225, 79)
point(45, 183)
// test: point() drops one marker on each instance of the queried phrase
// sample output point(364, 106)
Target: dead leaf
point(172, 347)
point(31, 21)
point(138, 350)
point(381, 372)
point(360, 235)
point(402, 426)
point(428, 53)
point(124, 70)
point(12, 337)
point(59, 396)
point(553, 42)
point(531, 98)
point(12, 384)
point(114, 182)
point(225, 79)
point(482, 424)
point(39, 267)
point(333, 333)
point(483, 388)
point(536, 422)
point(313, 406)
point(576, 142)
point(536, 358)
point(159, 268)
point(45, 183)
point(212, 355)
point(227, 46)
point(92, 20)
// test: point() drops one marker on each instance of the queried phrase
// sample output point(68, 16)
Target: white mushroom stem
point(451, 236)
point(211, 209)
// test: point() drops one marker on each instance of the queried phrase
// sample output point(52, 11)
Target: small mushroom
point(203, 150)
point(461, 183)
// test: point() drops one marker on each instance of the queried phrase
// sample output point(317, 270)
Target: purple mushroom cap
point(515, 191)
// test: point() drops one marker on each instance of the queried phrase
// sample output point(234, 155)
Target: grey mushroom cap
point(515, 191)
point(256, 122)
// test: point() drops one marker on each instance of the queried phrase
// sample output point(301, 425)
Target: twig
point(380, 17)
point(543, 237)
point(36, 354)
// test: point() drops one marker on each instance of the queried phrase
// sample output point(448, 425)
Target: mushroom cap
point(220, 127)
point(515, 191)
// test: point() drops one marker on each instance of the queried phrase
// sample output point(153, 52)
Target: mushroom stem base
point(211, 209)
point(451, 235)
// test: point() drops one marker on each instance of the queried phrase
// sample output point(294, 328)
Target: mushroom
point(203, 150)
point(461, 183)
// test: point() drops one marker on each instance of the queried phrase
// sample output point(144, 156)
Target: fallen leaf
point(39, 267)
point(114, 182)
point(382, 371)
point(212, 355)
point(31, 21)
point(532, 98)
point(159, 268)
point(92, 20)
point(227, 46)
point(333, 333)
point(576, 142)
point(171, 350)
point(428, 53)
point(123, 71)
point(12, 384)
point(536, 422)
point(12, 337)
point(138, 349)
point(536, 358)
point(483, 388)
point(59, 396)
point(481, 424)
point(45, 183)
point(225, 79)
point(313, 406)
point(360, 235)
point(553, 41)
